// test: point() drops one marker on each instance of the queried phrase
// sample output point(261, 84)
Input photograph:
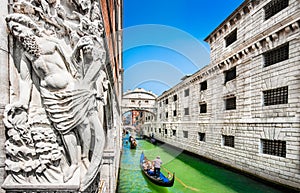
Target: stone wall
point(251, 121)
point(10, 88)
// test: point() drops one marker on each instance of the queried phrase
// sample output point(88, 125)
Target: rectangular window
point(273, 147)
point(276, 55)
point(203, 108)
point(230, 38)
point(201, 136)
point(274, 7)
point(167, 114)
point(159, 130)
point(185, 134)
point(203, 85)
point(166, 131)
point(186, 92)
point(160, 115)
point(230, 103)
point(174, 113)
point(174, 132)
point(230, 74)
point(175, 97)
point(228, 140)
point(166, 101)
point(186, 111)
point(276, 96)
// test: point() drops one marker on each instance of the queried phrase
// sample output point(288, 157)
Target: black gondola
point(133, 142)
point(161, 181)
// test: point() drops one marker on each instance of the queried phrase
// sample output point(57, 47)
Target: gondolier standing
point(157, 163)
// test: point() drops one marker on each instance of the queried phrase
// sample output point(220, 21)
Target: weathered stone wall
point(4, 83)
point(10, 88)
point(251, 121)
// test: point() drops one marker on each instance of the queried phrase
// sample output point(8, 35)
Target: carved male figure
point(68, 98)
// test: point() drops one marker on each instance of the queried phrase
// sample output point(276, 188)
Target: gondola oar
point(181, 182)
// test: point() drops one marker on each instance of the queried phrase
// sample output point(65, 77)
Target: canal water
point(193, 175)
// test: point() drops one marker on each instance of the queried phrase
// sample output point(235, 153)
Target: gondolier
point(162, 180)
point(157, 163)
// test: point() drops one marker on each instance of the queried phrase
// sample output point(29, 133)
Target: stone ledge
point(73, 185)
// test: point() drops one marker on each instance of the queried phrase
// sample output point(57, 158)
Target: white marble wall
point(251, 121)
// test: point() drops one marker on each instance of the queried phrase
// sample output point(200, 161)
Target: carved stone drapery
point(58, 53)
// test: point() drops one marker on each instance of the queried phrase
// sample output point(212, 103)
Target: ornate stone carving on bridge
point(56, 140)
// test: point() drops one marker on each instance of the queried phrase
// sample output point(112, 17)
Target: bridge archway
point(129, 128)
point(139, 100)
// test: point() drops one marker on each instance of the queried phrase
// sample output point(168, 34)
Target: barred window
point(230, 103)
point(276, 96)
point(276, 55)
point(230, 38)
point(186, 92)
point(186, 111)
point(273, 147)
point(185, 134)
point(174, 132)
point(228, 140)
point(274, 7)
point(203, 108)
point(230, 74)
point(203, 85)
point(201, 136)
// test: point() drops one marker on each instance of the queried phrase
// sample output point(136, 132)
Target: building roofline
point(228, 18)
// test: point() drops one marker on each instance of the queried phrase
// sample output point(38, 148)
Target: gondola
point(132, 142)
point(162, 181)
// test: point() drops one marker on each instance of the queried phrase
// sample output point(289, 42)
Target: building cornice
point(255, 45)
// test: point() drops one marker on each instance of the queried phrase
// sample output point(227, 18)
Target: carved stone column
point(4, 83)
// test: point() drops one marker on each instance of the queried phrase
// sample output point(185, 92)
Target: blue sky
point(163, 40)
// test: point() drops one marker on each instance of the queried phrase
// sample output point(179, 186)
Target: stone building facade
point(107, 14)
point(242, 109)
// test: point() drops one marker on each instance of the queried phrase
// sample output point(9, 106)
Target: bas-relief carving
point(59, 51)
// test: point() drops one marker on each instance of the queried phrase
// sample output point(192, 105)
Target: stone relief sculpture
point(32, 149)
point(60, 53)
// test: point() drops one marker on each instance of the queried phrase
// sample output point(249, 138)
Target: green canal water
point(193, 175)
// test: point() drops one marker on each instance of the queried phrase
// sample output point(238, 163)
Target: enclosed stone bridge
point(138, 100)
